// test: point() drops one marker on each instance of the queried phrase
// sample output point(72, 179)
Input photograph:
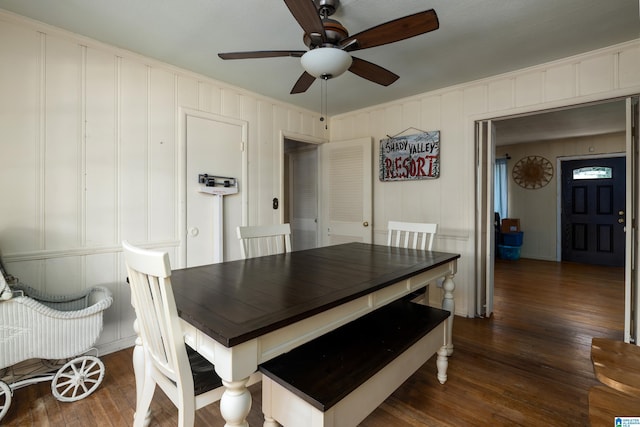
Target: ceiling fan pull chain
point(323, 100)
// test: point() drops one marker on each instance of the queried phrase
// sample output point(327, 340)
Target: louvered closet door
point(347, 191)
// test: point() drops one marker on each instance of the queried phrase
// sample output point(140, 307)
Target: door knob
point(366, 224)
point(620, 213)
point(620, 220)
point(193, 231)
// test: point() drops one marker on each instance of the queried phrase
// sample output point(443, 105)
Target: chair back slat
point(262, 240)
point(412, 235)
point(149, 275)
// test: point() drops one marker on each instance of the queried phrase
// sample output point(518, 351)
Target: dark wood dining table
point(239, 314)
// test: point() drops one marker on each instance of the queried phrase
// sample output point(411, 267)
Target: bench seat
point(341, 377)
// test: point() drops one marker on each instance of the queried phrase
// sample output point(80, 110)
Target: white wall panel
point(529, 89)
point(260, 172)
point(560, 82)
point(431, 113)
point(455, 164)
point(20, 139)
point(211, 99)
point(475, 100)
point(629, 67)
point(230, 103)
point(63, 141)
point(162, 156)
point(100, 148)
point(501, 94)
point(62, 276)
point(596, 74)
point(102, 270)
point(134, 155)
point(188, 92)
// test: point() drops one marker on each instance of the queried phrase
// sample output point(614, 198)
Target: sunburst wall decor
point(532, 172)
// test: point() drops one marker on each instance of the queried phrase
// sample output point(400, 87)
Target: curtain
point(500, 188)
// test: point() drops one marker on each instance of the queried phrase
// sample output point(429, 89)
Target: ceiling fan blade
point(305, 12)
point(262, 54)
point(393, 31)
point(303, 83)
point(372, 72)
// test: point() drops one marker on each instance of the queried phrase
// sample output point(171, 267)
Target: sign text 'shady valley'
point(410, 157)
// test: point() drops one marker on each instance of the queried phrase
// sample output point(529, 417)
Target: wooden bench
point(341, 377)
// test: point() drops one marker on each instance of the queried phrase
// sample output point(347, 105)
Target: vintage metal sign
point(410, 157)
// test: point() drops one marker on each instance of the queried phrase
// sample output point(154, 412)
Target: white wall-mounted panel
point(63, 141)
point(475, 100)
point(529, 89)
point(162, 156)
point(101, 270)
point(20, 141)
point(501, 94)
point(100, 149)
point(210, 98)
point(134, 155)
point(431, 113)
point(597, 74)
point(559, 82)
point(187, 92)
point(230, 103)
point(629, 67)
point(63, 276)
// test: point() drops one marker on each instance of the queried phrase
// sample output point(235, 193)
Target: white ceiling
point(476, 39)
point(586, 120)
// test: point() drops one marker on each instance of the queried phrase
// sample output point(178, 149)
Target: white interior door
point(216, 147)
point(346, 188)
point(632, 296)
point(303, 197)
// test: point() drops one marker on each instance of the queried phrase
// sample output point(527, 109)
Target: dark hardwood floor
point(529, 365)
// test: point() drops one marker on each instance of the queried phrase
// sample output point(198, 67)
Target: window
point(592, 172)
point(500, 188)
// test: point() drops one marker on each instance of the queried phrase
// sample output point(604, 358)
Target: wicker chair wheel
point(77, 379)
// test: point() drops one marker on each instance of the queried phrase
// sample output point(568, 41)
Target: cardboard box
point(510, 225)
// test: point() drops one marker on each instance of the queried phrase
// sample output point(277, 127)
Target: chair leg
point(187, 411)
point(142, 407)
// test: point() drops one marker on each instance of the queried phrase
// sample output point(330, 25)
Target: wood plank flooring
point(529, 365)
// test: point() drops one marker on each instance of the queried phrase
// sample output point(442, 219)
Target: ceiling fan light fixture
point(326, 62)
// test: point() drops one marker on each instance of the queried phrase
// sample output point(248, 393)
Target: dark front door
point(593, 211)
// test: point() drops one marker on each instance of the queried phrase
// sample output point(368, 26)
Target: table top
point(237, 301)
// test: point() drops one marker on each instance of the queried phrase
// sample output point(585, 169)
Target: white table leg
point(235, 403)
point(448, 304)
point(442, 362)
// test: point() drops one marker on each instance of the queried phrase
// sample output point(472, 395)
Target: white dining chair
point(415, 235)
point(186, 377)
point(262, 240)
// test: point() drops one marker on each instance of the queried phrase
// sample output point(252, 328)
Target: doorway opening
point(521, 137)
point(301, 195)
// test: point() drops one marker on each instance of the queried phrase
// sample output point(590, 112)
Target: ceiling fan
point(329, 43)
